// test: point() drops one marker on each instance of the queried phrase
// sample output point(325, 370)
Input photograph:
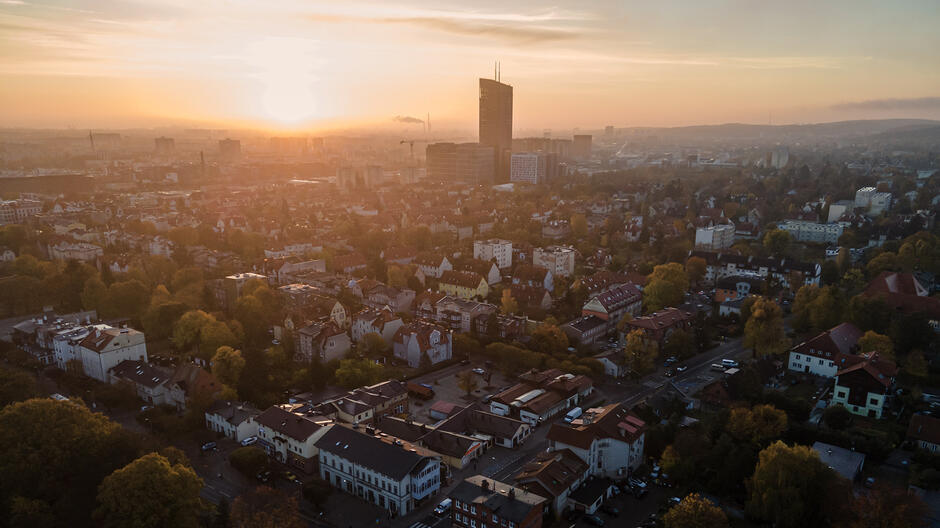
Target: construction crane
point(411, 146)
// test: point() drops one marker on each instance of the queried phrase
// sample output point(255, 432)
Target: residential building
point(872, 201)
point(82, 251)
point(715, 237)
point(785, 272)
point(737, 287)
point(388, 473)
point(423, 338)
point(495, 429)
point(234, 420)
point(608, 439)
point(232, 286)
point(104, 347)
point(486, 268)
point(433, 265)
point(581, 148)
point(924, 432)
point(863, 388)
point(148, 381)
point(586, 329)
point(323, 341)
point(531, 167)
point(463, 284)
point(366, 404)
point(555, 475)
point(904, 293)
point(557, 259)
point(372, 321)
point(348, 263)
point(541, 395)
point(531, 297)
point(479, 501)
point(848, 463)
point(494, 249)
point(613, 304)
point(827, 353)
point(530, 276)
point(451, 312)
point(291, 438)
point(807, 231)
point(658, 326)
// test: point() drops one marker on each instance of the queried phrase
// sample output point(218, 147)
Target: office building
point(532, 167)
point(475, 163)
point(496, 123)
point(442, 162)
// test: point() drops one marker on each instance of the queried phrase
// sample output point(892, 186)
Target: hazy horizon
point(310, 66)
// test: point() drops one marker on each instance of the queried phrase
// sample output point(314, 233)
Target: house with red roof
point(863, 387)
point(924, 432)
point(904, 293)
point(608, 439)
point(826, 353)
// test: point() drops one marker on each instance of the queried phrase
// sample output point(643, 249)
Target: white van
point(729, 363)
point(573, 414)
point(443, 507)
point(718, 366)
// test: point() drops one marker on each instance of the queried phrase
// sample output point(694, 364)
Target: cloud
point(512, 32)
point(407, 119)
point(911, 104)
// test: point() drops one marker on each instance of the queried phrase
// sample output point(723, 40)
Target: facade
point(235, 420)
point(608, 439)
point(441, 161)
point(785, 272)
point(541, 395)
point(612, 304)
point(323, 341)
point(581, 148)
point(18, 211)
point(388, 473)
point(732, 288)
point(496, 123)
point(479, 501)
point(863, 387)
point(531, 167)
point(475, 163)
point(715, 238)
point(291, 438)
point(555, 475)
point(75, 251)
point(924, 431)
point(381, 322)
point(658, 326)
point(433, 265)
point(104, 347)
point(417, 339)
point(827, 353)
point(463, 284)
point(494, 249)
point(872, 201)
point(557, 259)
point(806, 231)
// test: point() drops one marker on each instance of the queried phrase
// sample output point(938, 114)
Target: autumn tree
point(695, 268)
point(579, 227)
point(666, 287)
point(249, 460)
point(875, 342)
point(353, 373)
point(680, 343)
point(264, 507)
point(150, 492)
point(509, 305)
point(792, 488)
point(227, 364)
point(640, 354)
point(764, 332)
point(16, 386)
point(695, 511)
point(467, 381)
point(777, 242)
point(757, 425)
point(373, 346)
point(549, 339)
point(887, 506)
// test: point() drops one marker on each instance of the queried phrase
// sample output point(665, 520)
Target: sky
point(311, 65)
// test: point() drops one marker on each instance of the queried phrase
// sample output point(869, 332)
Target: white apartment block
point(104, 347)
point(77, 251)
point(714, 238)
point(557, 259)
point(806, 231)
point(871, 200)
point(528, 167)
point(494, 249)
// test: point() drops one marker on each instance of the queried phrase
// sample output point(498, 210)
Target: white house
point(608, 439)
point(291, 438)
point(414, 340)
point(381, 322)
point(104, 347)
point(826, 353)
point(557, 259)
point(235, 420)
point(494, 249)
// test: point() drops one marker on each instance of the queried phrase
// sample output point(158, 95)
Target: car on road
point(443, 508)
point(146, 408)
point(670, 373)
point(479, 371)
point(670, 361)
point(594, 520)
point(290, 477)
point(263, 476)
point(729, 363)
point(251, 440)
point(682, 368)
point(208, 446)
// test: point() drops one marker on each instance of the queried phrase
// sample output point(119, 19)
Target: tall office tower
point(164, 146)
point(496, 123)
point(582, 146)
point(230, 149)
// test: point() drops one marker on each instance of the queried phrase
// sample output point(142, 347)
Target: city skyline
point(313, 66)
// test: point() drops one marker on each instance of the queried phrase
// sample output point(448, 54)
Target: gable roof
point(465, 279)
point(839, 340)
point(499, 498)
point(881, 370)
point(555, 471)
point(368, 451)
point(613, 421)
point(298, 427)
point(925, 428)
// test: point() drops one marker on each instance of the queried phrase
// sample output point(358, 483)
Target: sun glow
point(286, 69)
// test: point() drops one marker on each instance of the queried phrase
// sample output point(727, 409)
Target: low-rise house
point(104, 347)
point(826, 353)
point(486, 268)
point(423, 338)
point(464, 284)
point(737, 287)
point(613, 363)
point(785, 272)
point(323, 341)
point(433, 265)
point(554, 475)
point(658, 326)
point(863, 387)
point(541, 395)
point(366, 404)
point(532, 276)
point(479, 501)
point(612, 304)
point(557, 259)
point(586, 329)
point(390, 474)
point(848, 463)
point(348, 263)
point(531, 297)
point(148, 381)
point(495, 429)
point(291, 438)
point(235, 420)
point(372, 321)
point(904, 293)
point(924, 432)
point(609, 439)
point(506, 326)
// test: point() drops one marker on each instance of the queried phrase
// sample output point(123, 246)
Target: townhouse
point(104, 347)
point(291, 438)
point(785, 272)
point(479, 501)
point(148, 381)
point(608, 439)
point(233, 419)
point(322, 341)
point(463, 284)
point(532, 276)
point(433, 265)
point(423, 338)
point(554, 475)
point(371, 321)
point(826, 353)
point(863, 388)
point(611, 305)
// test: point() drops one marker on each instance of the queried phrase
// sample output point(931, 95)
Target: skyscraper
point(496, 123)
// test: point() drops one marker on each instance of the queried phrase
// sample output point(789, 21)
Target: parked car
point(682, 368)
point(263, 476)
point(146, 408)
point(443, 508)
point(208, 446)
point(290, 477)
point(479, 371)
point(594, 520)
point(670, 373)
point(611, 510)
point(251, 440)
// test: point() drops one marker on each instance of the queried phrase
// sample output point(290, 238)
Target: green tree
point(397, 277)
point(916, 364)
point(31, 513)
point(764, 332)
point(886, 261)
point(680, 343)
point(837, 417)
point(696, 268)
point(248, 460)
point(640, 354)
point(659, 294)
point(549, 339)
point(213, 335)
point(869, 313)
point(188, 327)
point(777, 242)
point(16, 386)
point(695, 511)
point(792, 488)
point(126, 299)
point(509, 303)
point(227, 364)
point(374, 346)
point(263, 507)
point(758, 425)
point(579, 228)
point(353, 373)
point(150, 492)
point(94, 294)
point(673, 273)
point(466, 346)
point(467, 381)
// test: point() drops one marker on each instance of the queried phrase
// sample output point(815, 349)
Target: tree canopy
point(764, 332)
point(695, 511)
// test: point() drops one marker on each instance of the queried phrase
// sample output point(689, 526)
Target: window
point(473, 509)
point(841, 394)
point(872, 401)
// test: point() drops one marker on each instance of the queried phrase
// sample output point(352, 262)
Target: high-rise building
point(532, 167)
point(475, 163)
point(442, 161)
point(230, 149)
point(164, 146)
point(496, 123)
point(609, 130)
point(582, 146)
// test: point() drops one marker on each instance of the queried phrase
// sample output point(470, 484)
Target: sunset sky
point(305, 64)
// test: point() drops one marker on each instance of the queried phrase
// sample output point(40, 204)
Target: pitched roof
point(840, 340)
point(371, 452)
point(613, 421)
point(141, 373)
point(555, 471)
point(233, 412)
point(529, 273)
point(882, 370)
point(500, 499)
point(465, 279)
point(298, 427)
point(924, 427)
point(618, 296)
point(664, 318)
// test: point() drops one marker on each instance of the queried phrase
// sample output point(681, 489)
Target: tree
point(213, 335)
point(887, 506)
point(659, 294)
point(466, 346)
point(16, 386)
point(317, 491)
point(672, 273)
point(916, 365)
point(837, 417)
point(696, 268)
point(886, 261)
point(869, 313)
point(150, 492)
point(680, 343)
point(695, 511)
point(126, 299)
point(374, 346)
point(509, 303)
point(353, 373)
point(263, 507)
point(424, 362)
point(764, 332)
point(777, 242)
point(640, 355)
point(757, 425)
point(792, 488)
point(397, 277)
point(31, 513)
point(94, 294)
point(467, 381)
point(188, 327)
point(549, 339)
point(579, 228)
point(875, 342)
point(249, 460)
point(227, 364)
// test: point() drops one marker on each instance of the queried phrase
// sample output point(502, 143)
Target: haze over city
point(299, 65)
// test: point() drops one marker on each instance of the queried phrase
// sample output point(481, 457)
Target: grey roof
point(590, 491)
point(845, 462)
point(141, 373)
point(298, 427)
point(232, 411)
point(496, 497)
point(370, 452)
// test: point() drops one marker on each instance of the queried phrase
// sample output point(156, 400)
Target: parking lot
point(446, 389)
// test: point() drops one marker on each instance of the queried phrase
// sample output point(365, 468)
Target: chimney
point(484, 485)
point(512, 493)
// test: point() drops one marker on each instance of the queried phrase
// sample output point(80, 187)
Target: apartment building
point(494, 249)
point(557, 259)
